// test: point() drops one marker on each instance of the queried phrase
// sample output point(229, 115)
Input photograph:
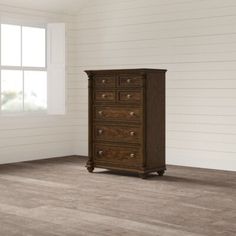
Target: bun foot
point(160, 172)
point(90, 169)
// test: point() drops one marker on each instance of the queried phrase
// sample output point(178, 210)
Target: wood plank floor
point(59, 197)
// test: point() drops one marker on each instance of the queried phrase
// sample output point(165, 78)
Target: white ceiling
point(60, 6)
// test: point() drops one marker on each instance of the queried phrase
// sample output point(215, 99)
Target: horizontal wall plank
point(201, 101)
point(171, 66)
point(198, 158)
point(209, 93)
point(202, 145)
point(211, 137)
point(162, 22)
point(11, 142)
point(35, 132)
point(153, 7)
point(35, 151)
point(203, 128)
point(199, 119)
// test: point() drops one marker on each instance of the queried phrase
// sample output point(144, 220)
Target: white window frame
point(23, 69)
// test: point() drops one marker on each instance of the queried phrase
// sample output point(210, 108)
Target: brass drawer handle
point(100, 152)
point(132, 155)
point(104, 81)
point(132, 133)
point(128, 96)
point(100, 113)
point(132, 113)
point(100, 131)
point(128, 81)
point(104, 95)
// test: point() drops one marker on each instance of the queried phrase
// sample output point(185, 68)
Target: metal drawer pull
point(100, 113)
point(128, 95)
point(100, 153)
point(104, 95)
point(132, 113)
point(128, 81)
point(100, 131)
point(132, 155)
point(132, 133)
point(103, 81)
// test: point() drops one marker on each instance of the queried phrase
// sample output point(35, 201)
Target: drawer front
point(104, 96)
point(130, 80)
point(117, 155)
point(117, 133)
point(105, 81)
point(113, 113)
point(130, 96)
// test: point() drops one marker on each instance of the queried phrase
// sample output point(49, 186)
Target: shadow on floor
point(200, 180)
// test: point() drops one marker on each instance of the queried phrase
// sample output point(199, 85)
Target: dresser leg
point(160, 172)
point(90, 169)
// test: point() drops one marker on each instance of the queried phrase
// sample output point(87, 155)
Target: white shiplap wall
point(40, 136)
point(195, 41)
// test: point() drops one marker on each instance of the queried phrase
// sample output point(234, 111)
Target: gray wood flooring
point(59, 197)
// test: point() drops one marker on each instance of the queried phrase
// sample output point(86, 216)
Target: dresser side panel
point(155, 120)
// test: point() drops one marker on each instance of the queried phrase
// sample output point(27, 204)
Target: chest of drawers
point(127, 120)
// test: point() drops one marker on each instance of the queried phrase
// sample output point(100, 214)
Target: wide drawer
point(130, 96)
point(105, 81)
point(104, 96)
point(117, 155)
point(104, 132)
point(114, 113)
point(130, 80)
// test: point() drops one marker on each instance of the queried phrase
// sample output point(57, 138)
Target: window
point(23, 75)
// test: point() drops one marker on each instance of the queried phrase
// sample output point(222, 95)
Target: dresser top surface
point(140, 70)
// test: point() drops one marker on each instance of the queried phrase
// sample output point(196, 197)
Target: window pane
point(35, 90)
point(11, 90)
point(10, 45)
point(33, 46)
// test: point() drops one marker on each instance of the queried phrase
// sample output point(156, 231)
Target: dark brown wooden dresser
point(127, 120)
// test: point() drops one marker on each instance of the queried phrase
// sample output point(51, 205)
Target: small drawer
point(117, 155)
point(117, 133)
point(130, 96)
point(105, 81)
point(110, 113)
point(104, 96)
point(130, 80)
